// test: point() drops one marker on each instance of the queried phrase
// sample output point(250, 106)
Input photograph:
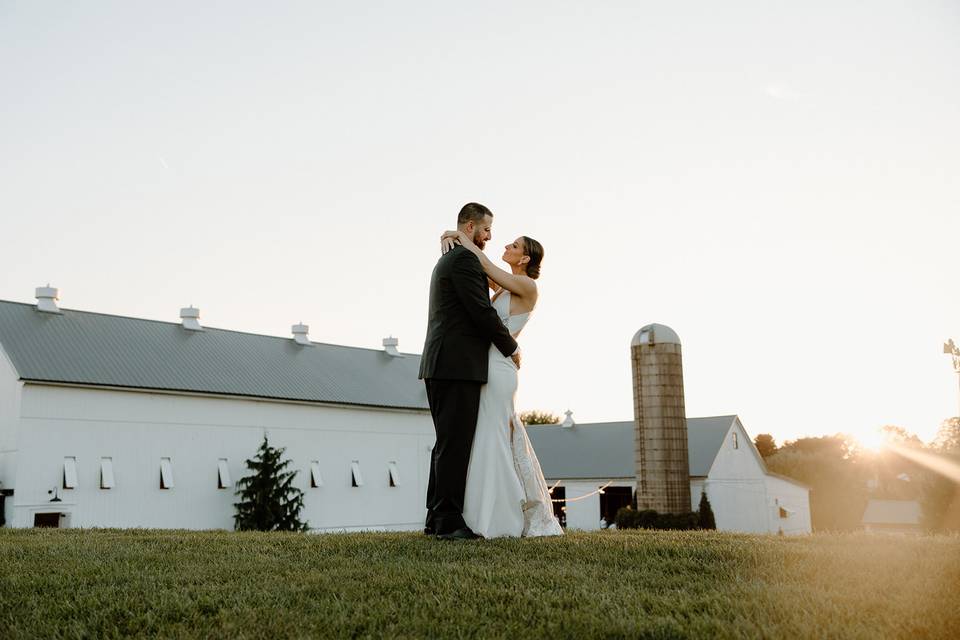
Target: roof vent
point(300, 332)
point(190, 318)
point(47, 299)
point(390, 346)
point(568, 422)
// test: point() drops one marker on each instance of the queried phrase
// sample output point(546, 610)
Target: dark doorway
point(612, 500)
point(50, 520)
point(560, 493)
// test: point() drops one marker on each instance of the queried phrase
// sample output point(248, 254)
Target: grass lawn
point(631, 584)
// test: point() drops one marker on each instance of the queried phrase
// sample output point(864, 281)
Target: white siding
point(792, 497)
point(696, 488)
point(9, 414)
point(736, 485)
point(136, 429)
point(585, 514)
point(582, 514)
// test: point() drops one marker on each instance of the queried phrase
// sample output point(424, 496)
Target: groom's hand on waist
point(516, 357)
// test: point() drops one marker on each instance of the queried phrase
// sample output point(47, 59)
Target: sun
point(872, 440)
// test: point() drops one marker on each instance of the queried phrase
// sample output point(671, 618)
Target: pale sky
point(779, 182)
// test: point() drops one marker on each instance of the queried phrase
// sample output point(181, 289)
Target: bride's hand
point(451, 238)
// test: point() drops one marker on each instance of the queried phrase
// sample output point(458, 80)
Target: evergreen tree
point(268, 499)
point(707, 521)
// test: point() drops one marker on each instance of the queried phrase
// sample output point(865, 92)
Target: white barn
point(724, 463)
point(110, 421)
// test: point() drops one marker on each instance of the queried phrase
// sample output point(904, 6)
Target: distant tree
point(268, 499)
point(948, 436)
point(707, 521)
point(899, 435)
point(539, 417)
point(940, 501)
point(766, 445)
point(894, 476)
point(940, 496)
point(836, 475)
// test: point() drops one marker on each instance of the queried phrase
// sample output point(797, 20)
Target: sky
point(778, 182)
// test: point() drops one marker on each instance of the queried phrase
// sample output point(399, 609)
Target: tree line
point(842, 475)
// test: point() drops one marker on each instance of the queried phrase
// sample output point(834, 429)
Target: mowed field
point(611, 584)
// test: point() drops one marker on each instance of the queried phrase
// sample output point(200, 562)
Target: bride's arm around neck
point(520, 285)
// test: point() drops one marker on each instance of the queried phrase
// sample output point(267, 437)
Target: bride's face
point(513, 253)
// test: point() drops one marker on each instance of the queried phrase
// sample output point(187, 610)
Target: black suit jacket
point(462, 323)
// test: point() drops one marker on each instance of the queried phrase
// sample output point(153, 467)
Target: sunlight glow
point(940, 464)
point(874, 440)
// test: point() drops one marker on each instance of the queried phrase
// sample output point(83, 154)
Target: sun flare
point(872, 440)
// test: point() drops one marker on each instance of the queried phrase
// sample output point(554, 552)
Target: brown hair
point(473, 212)
point(534, 250)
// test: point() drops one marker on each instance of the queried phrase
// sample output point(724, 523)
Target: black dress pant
point(454, 405)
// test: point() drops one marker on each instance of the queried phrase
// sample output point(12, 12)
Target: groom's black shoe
point(460, 534)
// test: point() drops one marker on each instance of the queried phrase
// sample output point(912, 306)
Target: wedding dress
point(506, 494)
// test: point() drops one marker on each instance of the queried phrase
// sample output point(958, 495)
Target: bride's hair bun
point(534, 250)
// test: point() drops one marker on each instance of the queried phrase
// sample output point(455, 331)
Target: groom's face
point(481, 231)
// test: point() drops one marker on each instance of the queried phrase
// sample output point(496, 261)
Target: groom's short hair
point(473, 212)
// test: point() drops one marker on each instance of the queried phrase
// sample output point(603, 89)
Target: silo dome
point(655, 334)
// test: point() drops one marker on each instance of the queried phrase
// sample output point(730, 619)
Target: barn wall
point(793, 497)
point(696, 488)
point(736, 485)
point(738, 462)
point(136, 429)
point(584, 515)
point(9, 412)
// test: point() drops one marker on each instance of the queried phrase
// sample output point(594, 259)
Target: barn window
point(223, 474)
point(166, 473)
point(736, 443)
point(106, 473)
point(785, 513)
point(356, 477)
point(394, 475)
point(316, 480)
point(69, 473)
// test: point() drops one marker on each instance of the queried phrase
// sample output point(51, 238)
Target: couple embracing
point(485, 480)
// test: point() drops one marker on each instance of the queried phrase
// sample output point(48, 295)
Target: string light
point(586, 495)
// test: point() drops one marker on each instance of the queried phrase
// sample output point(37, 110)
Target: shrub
point(630, 518)
point(626, 518)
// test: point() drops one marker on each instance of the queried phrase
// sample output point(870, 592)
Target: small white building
point(892, 516)
point(579, 459)
point(108, 421)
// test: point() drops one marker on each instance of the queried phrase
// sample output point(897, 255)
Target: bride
point(506, 494)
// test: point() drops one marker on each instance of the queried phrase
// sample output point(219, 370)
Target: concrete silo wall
point(663, 470)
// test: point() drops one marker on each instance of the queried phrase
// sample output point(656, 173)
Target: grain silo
point(660, 421)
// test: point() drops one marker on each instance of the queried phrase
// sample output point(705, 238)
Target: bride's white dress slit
point(506, 494)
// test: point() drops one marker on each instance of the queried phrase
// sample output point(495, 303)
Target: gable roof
point(606, 449)
point(81, 347)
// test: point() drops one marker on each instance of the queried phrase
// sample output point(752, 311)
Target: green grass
point(636, 584)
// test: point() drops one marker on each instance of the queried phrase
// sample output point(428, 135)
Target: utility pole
point(950, 348)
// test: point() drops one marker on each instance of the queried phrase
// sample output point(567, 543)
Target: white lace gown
point(506, 494)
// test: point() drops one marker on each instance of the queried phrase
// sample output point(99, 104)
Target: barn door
point(49, 520)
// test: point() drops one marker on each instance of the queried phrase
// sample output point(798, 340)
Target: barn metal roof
point(606, 449)
point(82, 347)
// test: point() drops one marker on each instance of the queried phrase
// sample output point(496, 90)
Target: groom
point(460, 328)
